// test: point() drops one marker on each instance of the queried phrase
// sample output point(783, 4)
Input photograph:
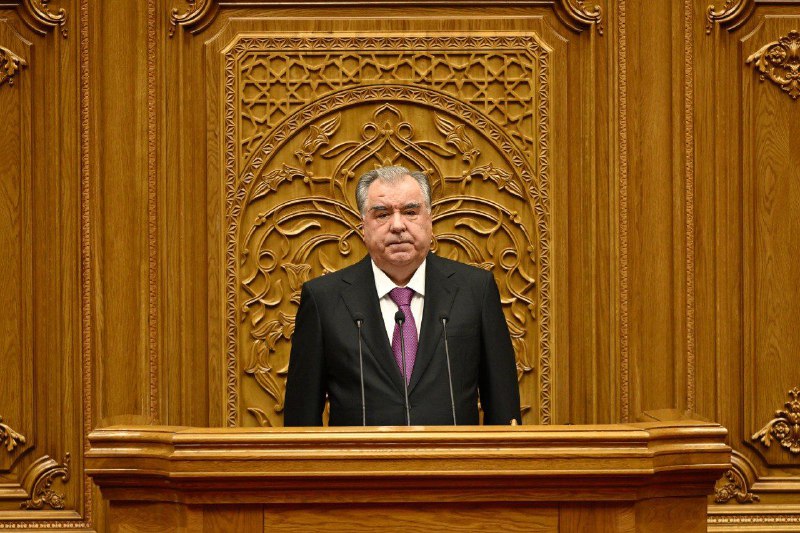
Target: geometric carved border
point(537, 181)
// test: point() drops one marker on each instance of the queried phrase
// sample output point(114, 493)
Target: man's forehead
point(380, 206)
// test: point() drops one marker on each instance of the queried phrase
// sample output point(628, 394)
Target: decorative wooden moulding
point(785, 427)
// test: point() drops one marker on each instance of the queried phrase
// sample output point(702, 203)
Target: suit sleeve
point(305, 384)
point(498, 387)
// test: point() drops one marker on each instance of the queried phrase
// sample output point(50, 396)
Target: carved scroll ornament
point(785, 427)
point(10, 438)
point(10, 63)
point(780, 62)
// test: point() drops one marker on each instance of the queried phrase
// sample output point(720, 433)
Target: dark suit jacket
point(324, 357)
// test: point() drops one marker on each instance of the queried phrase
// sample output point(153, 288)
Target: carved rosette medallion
point(780, 62)
point(10, 63)
point(785, 427)
point(9, 438)
point(306, 116)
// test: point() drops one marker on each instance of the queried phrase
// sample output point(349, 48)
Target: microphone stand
point(399, 319)
point(359, 323)
point(449, 373)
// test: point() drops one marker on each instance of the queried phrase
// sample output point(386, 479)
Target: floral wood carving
point(733, 486)
point(10, 63)
point(780, 62)
point(8, 437)
point(785, 427)
point(355, 103)
point(40, 10)
point(42, 493)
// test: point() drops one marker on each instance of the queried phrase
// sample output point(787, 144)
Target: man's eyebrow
point(412, 205)
point(378, 208)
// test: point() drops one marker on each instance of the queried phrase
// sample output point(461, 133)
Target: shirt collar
point(383, 284)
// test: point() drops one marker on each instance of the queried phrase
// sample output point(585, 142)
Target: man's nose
point(397, 222)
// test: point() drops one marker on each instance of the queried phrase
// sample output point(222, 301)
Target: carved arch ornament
point(290, 182)
point(39, 481)
point(194, 15)
point(735, 483)
point(42, 18)
point(730, 14)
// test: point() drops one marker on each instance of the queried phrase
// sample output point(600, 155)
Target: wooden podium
point(647, 477)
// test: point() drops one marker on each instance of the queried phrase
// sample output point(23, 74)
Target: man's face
point(397, 226)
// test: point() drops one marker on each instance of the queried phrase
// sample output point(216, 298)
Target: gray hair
point(390, 175)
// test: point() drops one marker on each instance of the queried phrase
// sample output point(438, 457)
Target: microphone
point(359, 320)
point(399, 319)
point(444, 318)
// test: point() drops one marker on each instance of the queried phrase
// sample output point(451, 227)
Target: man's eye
point(410, 213)
point(382, 216)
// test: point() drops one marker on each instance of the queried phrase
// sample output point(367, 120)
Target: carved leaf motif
point(499, 176)
point(10, 63)
point(780, 62)
point(456, 135)
point(272, 180)
point(10, 437)
point(318, 136)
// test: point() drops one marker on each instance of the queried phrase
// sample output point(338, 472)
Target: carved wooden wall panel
point(748, 338)
point(41, 431)
point(471, 111)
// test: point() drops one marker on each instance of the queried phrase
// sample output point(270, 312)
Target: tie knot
point(401, 295)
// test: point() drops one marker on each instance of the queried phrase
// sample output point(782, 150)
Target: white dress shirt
point(388, 308)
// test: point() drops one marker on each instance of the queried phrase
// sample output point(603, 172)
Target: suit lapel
point(360, 296)
point(439, 294)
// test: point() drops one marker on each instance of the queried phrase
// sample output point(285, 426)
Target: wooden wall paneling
point(121, 205)
point(655, 239)
point(188, 218)
point(43, 485)
point(16, 206)
point(771, 198)
point(581, 361)
point(750, 202)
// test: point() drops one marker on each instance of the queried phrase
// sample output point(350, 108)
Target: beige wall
point(169, 178)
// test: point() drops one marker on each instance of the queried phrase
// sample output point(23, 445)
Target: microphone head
point(444, 318)
point(358, 318)
point(399, 317)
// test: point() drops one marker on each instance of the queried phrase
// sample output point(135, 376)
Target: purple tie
point(402, 297)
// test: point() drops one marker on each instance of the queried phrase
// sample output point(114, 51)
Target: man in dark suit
point(372, 336)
